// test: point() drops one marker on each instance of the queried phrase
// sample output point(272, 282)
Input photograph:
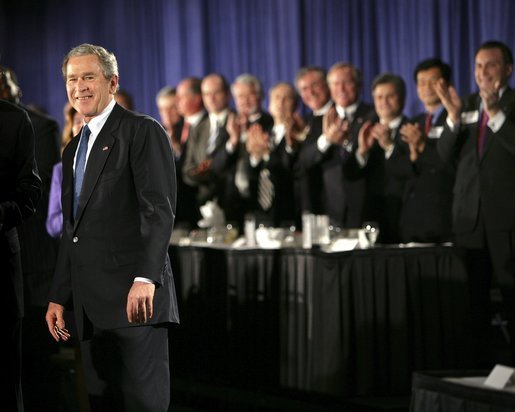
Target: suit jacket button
point(75, 239)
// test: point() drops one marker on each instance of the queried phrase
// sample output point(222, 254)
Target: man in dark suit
point(427, 201)
point(38, 256)
point(272, 155)
point(21, 190)
point(382, 156)
point(113, 260)
point(311, 84)
point(479, 138)
point(232, 161)
point(342, 198)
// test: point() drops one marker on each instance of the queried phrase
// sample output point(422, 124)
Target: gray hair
point(106, 59)
point(247, 78)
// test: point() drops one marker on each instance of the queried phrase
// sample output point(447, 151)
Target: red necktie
point(481, 133)
point(427, 126)
point(185, 132)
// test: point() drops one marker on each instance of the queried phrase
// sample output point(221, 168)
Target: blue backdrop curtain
point(158, 42)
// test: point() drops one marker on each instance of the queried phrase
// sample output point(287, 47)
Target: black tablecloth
point(348, 323)
point(432, 393)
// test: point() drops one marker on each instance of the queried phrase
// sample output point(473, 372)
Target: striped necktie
point(266, 190)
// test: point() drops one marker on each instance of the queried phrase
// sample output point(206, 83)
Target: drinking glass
point(371, 230)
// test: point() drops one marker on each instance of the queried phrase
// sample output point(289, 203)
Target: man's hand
point(489, 93)
point(382, 134)
point(450, 100)
point(258, 142)
point(140, 302)
point(55, 322)
point(336, 130)
point(365, 138)
point(416, 140)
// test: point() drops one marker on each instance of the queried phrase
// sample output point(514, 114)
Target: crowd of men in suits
point(445, 175)
point(347, 159)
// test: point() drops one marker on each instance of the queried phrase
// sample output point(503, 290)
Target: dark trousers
point(127, 369)
point(490, 259)
point(11, 393)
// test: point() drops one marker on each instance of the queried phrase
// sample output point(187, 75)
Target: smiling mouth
point(83, 98)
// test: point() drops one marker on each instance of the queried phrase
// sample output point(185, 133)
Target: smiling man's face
point(88, 90)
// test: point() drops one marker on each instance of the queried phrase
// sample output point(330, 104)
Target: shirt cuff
point(322, 143)
point(496, 122)
point(142, 279)
point(362, 160)
point(454, 127)
point(229, 147)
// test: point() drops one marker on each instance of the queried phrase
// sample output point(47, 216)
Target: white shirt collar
point(347, 111)
point(324, 109)
point(279, 130)
point(194, 119)
point(97, 122)
point(393, 124)
point(218, 119)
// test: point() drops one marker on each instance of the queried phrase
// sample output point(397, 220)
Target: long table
point(346, 323)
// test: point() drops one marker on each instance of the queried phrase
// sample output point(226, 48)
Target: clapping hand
point(416, 140)
point(336, 130)
point(450, 100)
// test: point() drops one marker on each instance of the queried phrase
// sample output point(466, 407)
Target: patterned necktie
point(481, 134)
point(80, 166)
point(266, 190)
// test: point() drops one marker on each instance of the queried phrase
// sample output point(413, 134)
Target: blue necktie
point(80, 166)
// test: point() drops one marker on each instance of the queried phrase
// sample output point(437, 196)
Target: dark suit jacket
point(225, 164)
point(427, 201)
point(39, 249)
point(280, 165)
point(342, 198)
point(384, 185)
point(486, 181)
point(20, 191)
point(124, 221)
point(309, 181)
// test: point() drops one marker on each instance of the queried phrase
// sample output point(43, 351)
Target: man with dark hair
point(38, 255)
point(21, 190)
point(427, 200)
point(381, 155)
point(479, 138)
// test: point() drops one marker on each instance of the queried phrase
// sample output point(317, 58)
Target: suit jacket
point(486, 181)
point(343, 198)
point(124, 220)
point(226, 164)
point(309, 180)
point(208, 184)
point(19, 195)
point(280, 165)
point(427, 200)
point(39, 249)
point(384, 185)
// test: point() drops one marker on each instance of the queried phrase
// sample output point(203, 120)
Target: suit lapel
point(67, 183)
point(97, 158)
